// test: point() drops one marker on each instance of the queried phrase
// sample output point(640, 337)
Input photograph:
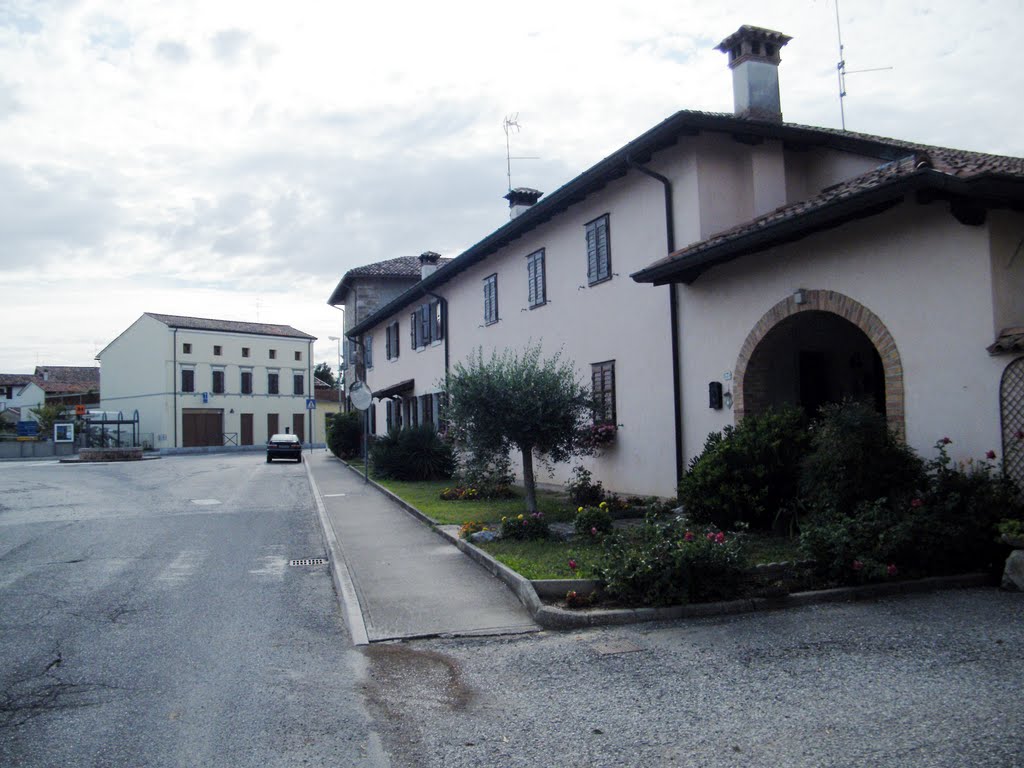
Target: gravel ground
point(928, 680)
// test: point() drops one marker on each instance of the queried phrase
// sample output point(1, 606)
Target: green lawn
point(425, 496)
point(546, 559)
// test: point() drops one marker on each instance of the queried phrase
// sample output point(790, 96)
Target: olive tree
point(518, 400)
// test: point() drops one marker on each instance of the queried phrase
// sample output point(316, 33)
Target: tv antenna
point(842, 71)
point(510, 122)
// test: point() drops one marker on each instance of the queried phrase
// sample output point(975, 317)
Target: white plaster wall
point(25, 397)
point(923, 274)
point(808, 172)
point(1007, 248)
point(616, 320)
point(133, 375)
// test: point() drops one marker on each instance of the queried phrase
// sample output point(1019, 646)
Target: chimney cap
point(749, 42)
point(429, 257)
point(523, 196)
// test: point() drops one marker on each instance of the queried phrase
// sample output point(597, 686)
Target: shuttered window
point(391, 339)
point(427, 405)
point(426, 325)
point(272, 386)
point(599, 257)
point(490, 299)
point(603, 380)
point(298, 384)
point(218, 382)
point(535, 279)
point(188, 380)
point(246, 382)
point(368, 351)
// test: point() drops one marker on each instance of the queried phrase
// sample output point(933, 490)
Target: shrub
point(854, 457)
point(582, 490)
point(344, 434)
point(747, 472)
point(458, 493)
point(488, 472)
point(593, 521)
point(666, 564)
point(412, 454)
point(947, 526)
point(531, 526)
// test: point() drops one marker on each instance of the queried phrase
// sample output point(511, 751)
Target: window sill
point(537, 306)
point(598, 282)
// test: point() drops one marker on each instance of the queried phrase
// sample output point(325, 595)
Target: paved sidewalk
point(395, 576)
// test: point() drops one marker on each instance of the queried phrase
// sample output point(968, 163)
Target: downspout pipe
point(311, 388)
point(174, 382)
point(673, 306)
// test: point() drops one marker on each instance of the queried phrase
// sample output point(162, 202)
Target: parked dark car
point(284, 447)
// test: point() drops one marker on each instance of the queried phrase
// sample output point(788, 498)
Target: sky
point(234, 159)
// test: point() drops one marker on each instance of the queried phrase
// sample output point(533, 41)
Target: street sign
point(310, 403)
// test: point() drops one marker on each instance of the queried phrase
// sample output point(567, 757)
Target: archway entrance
point(817, 347)
point(811, 359)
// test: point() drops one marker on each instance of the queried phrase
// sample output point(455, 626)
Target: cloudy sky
point(233, 159)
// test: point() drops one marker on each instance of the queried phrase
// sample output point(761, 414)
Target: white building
point(19, 394)
point(719, 264)
point(202, 382)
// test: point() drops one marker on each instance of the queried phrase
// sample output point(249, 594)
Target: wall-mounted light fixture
point(800, 296)
point(727, 399)
point(715, 395)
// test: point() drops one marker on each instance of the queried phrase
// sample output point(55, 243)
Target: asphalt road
point(149, 617)
point(924, 681)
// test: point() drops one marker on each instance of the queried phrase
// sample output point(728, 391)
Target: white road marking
point(182, 567)
point(205, 502)
point(273, 566)
point(333, 495)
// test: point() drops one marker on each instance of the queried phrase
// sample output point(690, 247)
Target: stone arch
point(848, 309)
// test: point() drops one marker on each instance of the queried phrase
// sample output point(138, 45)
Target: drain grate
point(309, 561)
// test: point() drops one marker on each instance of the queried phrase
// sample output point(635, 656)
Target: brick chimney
point(428, 263)
point(521, 199)
point(754, 60)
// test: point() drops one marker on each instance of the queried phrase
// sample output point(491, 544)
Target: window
point(414, 412)
point(218, 382)
point(246, 382)
point(186, 349)
point(427, 406)
point(272, 387)
point(426, 325)
point(368, 351)
point(389, 415)
point(217, 349)
point(536, 289)
point(602, 376)
point(273, 354)
point(298, 384)
point(245, 351)
point(391, 339)
point(599, 257)
point(490, 299)
point(298, 355)
point(188, 380)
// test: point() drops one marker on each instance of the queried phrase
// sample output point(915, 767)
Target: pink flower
point(857, 565)
point(572, 565)
point(892, 570)
point(720, 537)
point(711, 536)
point(688, 536)
point(945, 441)
point(917, 503)
point(990, 455)
point(593, 531)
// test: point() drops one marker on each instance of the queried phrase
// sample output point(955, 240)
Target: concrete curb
point(344, 587)
point(552, 617)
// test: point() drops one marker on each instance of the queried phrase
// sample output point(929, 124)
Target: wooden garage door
point(202, 426)
point(247, 436)
point(298, 426)
point(272, 425)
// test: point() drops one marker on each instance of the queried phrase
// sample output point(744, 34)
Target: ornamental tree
point(518, 400)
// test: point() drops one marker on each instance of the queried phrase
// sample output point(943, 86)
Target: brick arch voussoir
point(848, 309)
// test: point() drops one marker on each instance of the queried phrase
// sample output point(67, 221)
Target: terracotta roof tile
point(229, 326)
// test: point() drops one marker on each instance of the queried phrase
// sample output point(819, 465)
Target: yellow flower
point(603, 505)
point(520, 517)
point(580, 509)
point(503, 519)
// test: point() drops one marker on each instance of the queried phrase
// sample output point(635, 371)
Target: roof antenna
point(843, 72)
point(510, 122)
